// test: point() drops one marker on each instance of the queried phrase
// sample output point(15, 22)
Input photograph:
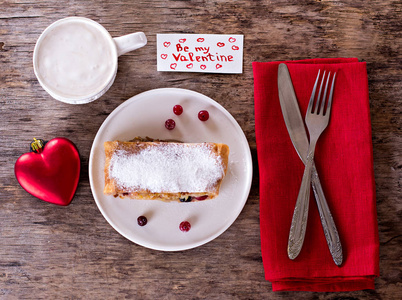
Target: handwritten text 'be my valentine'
point(184, 54)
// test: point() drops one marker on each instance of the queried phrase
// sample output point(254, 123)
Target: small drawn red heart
point(200, 40)
point(173, 66)
point(218, 66)
point(235, 47)
point(203, 67)
point(220, 44)
point(164, 56)
point(189, 66)
point(166, 44)
point(182, 40)
point(232, 39)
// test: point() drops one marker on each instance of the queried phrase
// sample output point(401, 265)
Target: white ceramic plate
point(145, 115)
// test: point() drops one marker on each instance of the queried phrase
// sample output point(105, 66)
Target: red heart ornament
point(220, 44)
point(164, 56)
point(51, 172)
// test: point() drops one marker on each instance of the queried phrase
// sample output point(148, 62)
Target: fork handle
point(328, 224)
point(300, 214)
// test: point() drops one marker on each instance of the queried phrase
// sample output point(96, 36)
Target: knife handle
point(328, 224)
point(300, 214)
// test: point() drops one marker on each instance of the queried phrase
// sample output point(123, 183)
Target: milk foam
point(76, 59)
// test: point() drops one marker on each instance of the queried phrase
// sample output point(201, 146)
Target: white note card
point(208, 53)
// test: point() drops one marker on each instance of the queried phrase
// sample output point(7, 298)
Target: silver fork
point(317, 119)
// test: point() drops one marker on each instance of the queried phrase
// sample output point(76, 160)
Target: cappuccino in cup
point(75, 59)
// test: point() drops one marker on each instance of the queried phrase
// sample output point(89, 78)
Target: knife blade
point(298, 135)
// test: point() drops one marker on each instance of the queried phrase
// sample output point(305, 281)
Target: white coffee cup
point(75, 58)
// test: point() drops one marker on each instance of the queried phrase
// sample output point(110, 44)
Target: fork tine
point(328, 111)
point(324, 96)
point(317, 105)
point(310, 104)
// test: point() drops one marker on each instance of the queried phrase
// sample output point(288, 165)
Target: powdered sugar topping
point(167, 167)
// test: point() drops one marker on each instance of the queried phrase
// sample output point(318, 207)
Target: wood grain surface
point(51, 252)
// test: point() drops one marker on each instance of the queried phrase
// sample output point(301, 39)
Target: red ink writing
point(180, 48)
point(205, 50)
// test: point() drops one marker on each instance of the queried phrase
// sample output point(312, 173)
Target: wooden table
point(51, 252)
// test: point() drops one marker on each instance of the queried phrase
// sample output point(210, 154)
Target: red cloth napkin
point(344, 161)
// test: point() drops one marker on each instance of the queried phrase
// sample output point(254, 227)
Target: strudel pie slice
point(164, 170)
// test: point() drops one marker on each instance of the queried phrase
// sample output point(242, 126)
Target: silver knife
point(298, 135)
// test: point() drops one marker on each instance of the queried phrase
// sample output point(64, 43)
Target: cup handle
point(130, 42)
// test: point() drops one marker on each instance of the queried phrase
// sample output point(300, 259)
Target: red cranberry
point(170, 124)
point(203, 115)
point(201, 198)
point(142, 221)
point(185, 226)
point(178, 110)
